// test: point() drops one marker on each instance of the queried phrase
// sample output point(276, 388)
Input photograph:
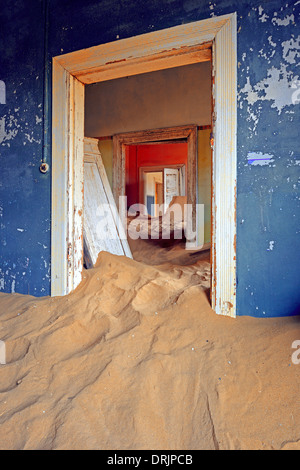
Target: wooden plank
point(67, 182)
point(103, 230)
point(77, 184)
point(143, 65)
point(156, 135)
point(171, 185)
point(59, 226)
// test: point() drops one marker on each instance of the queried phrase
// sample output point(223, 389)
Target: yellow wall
point(106, 150)
point(204, 179)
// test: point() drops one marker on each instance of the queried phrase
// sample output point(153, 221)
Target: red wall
point(150, 155)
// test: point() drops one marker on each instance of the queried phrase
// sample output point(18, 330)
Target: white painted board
point(102, 228)
point(171, 185)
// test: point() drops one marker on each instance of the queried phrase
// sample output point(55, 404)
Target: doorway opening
point(156, 182)
point(155, 173)
point(209, 39)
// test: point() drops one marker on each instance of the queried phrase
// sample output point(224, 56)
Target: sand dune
point(136, 359)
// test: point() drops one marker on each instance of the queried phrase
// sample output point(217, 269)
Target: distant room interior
point(156, 172)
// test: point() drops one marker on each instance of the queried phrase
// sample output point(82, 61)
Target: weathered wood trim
point(143, 65)
point(67, 181)
point(77, 184)
point(173, 42)
point(224, 171)
point(101, 193)
point(59, 226)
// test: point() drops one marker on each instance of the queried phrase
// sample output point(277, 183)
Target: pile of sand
point(136, 359)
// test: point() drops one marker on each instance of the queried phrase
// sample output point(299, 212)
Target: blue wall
point(268, 254)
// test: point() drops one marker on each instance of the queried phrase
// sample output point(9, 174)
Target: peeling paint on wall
point(263, 17)
point(283, 22)
point(281, 85)
point(268, 175)
point(278, 88)
point(271, 245)
point(291, 50)
point(11, 125)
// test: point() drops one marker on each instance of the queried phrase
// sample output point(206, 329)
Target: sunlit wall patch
point(259, 158)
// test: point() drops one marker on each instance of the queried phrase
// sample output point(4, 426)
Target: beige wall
point(166, 98)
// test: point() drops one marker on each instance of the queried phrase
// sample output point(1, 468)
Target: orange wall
point(150, 155)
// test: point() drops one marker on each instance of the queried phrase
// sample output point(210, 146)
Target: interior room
point(156, 172)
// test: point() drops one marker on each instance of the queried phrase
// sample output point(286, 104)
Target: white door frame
point(180, 45)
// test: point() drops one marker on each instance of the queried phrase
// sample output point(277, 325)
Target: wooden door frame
point(153, 169)
point(180, 45)
point(189, 133)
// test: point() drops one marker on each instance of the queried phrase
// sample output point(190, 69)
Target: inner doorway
point(155, 173)
point(156, 188)
point(214, 37)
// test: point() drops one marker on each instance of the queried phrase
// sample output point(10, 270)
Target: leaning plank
point(103, 230)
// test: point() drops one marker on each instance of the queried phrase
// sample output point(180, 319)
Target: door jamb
point(157, 135)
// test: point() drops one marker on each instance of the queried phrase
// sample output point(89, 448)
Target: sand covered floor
point(136, 359)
